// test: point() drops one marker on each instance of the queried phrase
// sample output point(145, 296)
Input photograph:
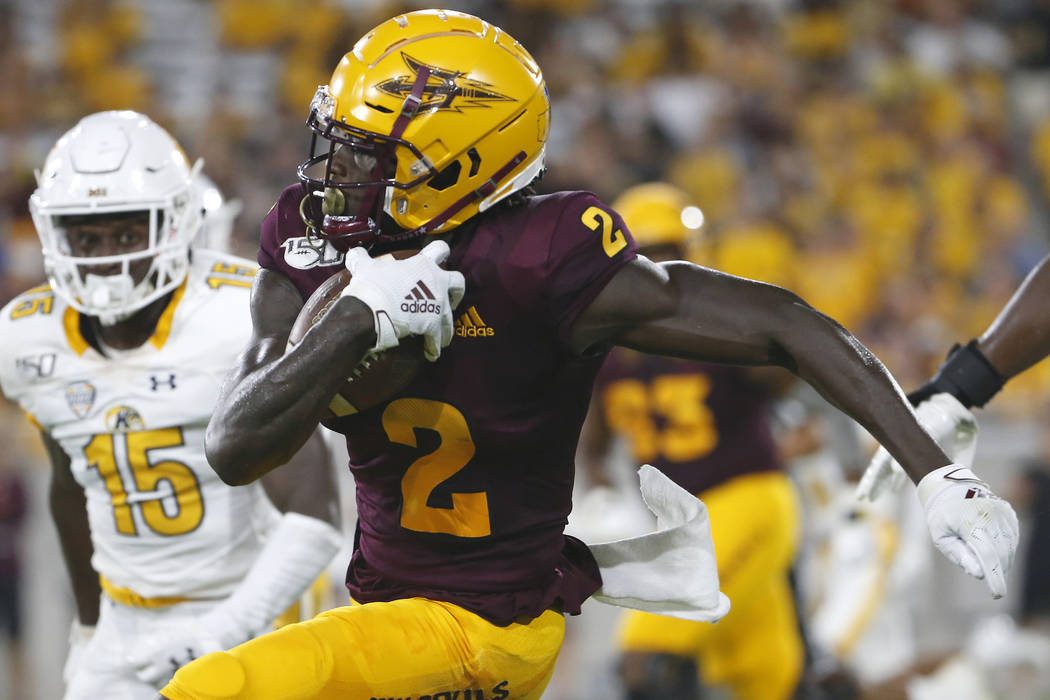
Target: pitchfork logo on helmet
point(428, 149)
point(444, 89)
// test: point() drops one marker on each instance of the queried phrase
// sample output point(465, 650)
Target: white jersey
point(162, 522)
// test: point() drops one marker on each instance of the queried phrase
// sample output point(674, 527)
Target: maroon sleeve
point(281, 222)
point(589, 244)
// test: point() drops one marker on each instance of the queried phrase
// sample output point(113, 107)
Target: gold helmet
point(444, 115)
point(658, 214)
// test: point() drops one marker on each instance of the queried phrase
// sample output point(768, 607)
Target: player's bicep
point(275, 304)
point(306, 483)
point(684, 310)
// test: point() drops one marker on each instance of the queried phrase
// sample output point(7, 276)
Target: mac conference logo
point(81, 397)
point(445, 89)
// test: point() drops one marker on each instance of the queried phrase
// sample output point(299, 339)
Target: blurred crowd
point(888, 160)
point(900, 148)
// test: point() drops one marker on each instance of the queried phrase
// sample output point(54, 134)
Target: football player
point(706, 426)
point(431, 129)
point(118, 361)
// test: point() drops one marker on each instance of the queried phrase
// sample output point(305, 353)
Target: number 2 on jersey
point(469, 514)
point(596, 219)
point(117, 454)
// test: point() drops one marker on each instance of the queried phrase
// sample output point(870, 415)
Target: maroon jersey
point(464, 479)
point(700, 424)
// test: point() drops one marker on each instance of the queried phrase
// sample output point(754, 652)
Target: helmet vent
point(509, 124)
point(379, 108)
point(475, 162)
point(446, 178)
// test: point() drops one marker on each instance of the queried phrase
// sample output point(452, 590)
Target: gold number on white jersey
point(152, 482)
point(229, 274)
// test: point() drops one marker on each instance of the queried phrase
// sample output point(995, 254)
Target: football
point(379, 375)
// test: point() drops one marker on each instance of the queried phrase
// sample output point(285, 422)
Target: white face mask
point(109, 295)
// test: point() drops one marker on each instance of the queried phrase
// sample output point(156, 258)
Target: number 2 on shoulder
point(597, 219)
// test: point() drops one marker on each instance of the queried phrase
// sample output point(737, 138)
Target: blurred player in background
point(707, 427)
point(436, 123)
point(997, 653)
point(118, 361)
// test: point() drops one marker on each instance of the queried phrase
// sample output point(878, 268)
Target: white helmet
point(219, 215)
point(113, 162)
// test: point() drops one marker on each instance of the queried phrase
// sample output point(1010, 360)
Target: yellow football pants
point(414, 648)
point(756, 649)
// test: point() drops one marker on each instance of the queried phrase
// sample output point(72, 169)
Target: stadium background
point(890, 161)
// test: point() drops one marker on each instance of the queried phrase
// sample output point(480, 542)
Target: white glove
point(971, 526)
point(947, 421)
point(79, 637)
point(411, 296)
point(295, 553)
point(165, 651)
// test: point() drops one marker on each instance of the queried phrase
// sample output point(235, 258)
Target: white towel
point(671, 571)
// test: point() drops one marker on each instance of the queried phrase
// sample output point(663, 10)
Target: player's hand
point(971, 526)
point(79, 637)
point(947, 421)
point(411, 296)
point(168, 649)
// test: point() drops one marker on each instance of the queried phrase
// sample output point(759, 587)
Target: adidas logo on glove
point(420, 300)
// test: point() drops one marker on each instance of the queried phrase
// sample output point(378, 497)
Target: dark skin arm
point(271, 402)
point(69, 511)
point(1019, 337)
point(683, 310)
point(306, 484)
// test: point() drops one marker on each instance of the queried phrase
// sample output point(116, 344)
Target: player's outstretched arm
point(686, 311)
point(1019, 336)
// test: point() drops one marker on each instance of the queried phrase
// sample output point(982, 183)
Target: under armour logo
point(157, 382)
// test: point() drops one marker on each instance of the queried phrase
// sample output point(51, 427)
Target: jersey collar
point(75, 336)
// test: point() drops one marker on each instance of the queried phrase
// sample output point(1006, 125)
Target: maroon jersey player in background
point(436, 123)
point(706, 426)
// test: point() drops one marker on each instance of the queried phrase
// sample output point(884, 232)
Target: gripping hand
point(971, 526)
point(79, 638)
point(947, 421)
point(165, 651)
point(411, 296)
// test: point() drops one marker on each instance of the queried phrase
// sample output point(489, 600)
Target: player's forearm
point(1020, 335)
point(69, 512)
point(851, 378)
point(273, 402)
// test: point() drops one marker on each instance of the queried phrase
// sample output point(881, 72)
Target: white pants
point(103, 670)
